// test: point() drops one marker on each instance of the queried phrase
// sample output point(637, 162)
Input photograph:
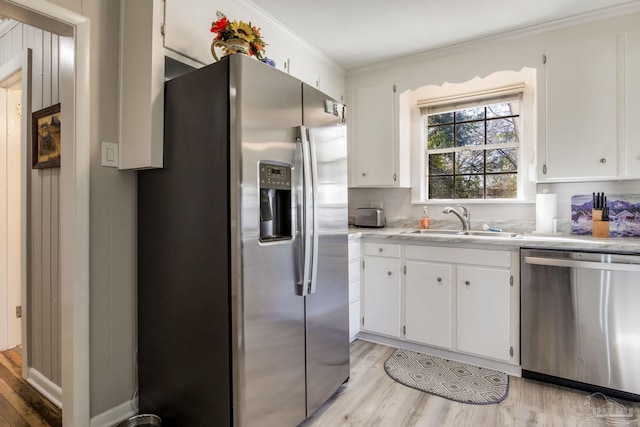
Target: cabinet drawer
point(382, 249)
point(354, 271)
point(492, 258)
point(354, 250)
point(354, 292)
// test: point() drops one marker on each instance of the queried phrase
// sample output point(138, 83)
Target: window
point(472, 152)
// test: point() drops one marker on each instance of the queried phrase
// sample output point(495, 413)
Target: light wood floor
point(20, 404)
point(371, 398)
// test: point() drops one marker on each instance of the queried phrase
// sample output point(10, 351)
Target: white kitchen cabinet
point(154, 29)
point(581, 110)
point(428, 303)
point(463, 300)
point(631, 152)
point(373, 137)
point(354, 287)
point(381, 289)
point(378, 157)
point(484, 312)
point(141, 85)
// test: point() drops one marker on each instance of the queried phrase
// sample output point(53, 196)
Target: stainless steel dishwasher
point(580, 319)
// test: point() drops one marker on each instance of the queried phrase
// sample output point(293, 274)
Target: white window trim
point(457, 102)
point(512, 82)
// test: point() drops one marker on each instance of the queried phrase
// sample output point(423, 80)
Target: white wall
point(480, 59)
point(11, 215)
point(113, 227)
point(43, 307)
point(113, 338)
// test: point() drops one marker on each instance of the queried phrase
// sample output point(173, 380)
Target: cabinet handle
point(603, 160)
point(380, 250)
point(389, 273)
point(466, 282)
point(439, 279)
point(364, 174)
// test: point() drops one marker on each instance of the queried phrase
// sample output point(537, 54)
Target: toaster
point(370, 217)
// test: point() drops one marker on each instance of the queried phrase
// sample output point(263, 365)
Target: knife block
point(599, 228)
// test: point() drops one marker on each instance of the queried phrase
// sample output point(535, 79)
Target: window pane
point(441, 187)
point(503, 186)
point(470, 134)
point(503, 109)
point(502, 131)
point(441, 164)
point(438, 119)
point(467, 161)
point(476, 113)
point(469, 187)
point(440, 137)
point(470, 161)
point(502, 160)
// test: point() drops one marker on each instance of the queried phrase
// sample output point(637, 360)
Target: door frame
point(21, 63)
point(74, 30)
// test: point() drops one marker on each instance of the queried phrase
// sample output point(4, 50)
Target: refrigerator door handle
point(314, 211)
point(306, 214)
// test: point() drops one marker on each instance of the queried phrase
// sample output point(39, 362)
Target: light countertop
point(528, 240)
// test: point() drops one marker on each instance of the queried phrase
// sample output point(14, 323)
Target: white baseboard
point(44, 385)
point(115, 415)
point(507, 368)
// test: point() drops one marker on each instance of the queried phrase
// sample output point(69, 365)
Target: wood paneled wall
point(43, 275)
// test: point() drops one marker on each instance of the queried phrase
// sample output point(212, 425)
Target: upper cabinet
point(631, 153)
point(377, 155)
point(154, 29)
point(141, 84)
point(581, 110)
point(590, 113)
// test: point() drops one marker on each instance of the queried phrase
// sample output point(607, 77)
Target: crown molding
point(584, 18)
point(266, 17)
point(6, 25)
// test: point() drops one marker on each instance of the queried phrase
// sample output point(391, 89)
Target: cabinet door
point(581, 113)
point(483, 312)
point(354, 288)
point(381, 295)
point(373, 137)
point(632, 145)
point(428, 303)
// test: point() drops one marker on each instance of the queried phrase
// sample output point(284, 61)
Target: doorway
point(74, 30)
point(14, 88)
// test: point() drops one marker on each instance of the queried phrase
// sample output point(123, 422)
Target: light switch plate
point(110, 154)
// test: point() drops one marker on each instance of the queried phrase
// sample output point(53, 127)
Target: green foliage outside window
point(473, 153)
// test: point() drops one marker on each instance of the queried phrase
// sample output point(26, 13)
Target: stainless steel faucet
point(465, 217)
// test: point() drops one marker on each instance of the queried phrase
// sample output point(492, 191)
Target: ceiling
point(356, 33)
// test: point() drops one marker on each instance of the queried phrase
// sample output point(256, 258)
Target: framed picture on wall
point(46, 137)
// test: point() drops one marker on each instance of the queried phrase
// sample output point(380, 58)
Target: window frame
point(428, 94)
point(480, 102)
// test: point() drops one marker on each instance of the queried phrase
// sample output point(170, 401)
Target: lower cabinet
point(484, 312)
point(428, 303)
point(354, 288)
point(459, 299)
point(381, 289)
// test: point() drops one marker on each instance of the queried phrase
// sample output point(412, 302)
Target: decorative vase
point(229, 47)
point(269, 62)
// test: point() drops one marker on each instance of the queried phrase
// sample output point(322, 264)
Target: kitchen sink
point(470, 233)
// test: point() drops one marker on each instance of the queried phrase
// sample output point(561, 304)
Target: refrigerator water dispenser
point(275, 201)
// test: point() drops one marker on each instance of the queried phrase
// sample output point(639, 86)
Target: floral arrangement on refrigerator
point(227, 30)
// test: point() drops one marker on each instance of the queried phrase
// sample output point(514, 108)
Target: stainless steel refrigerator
point(242, 251)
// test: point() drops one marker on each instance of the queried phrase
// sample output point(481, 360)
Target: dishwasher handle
point(559, 262)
